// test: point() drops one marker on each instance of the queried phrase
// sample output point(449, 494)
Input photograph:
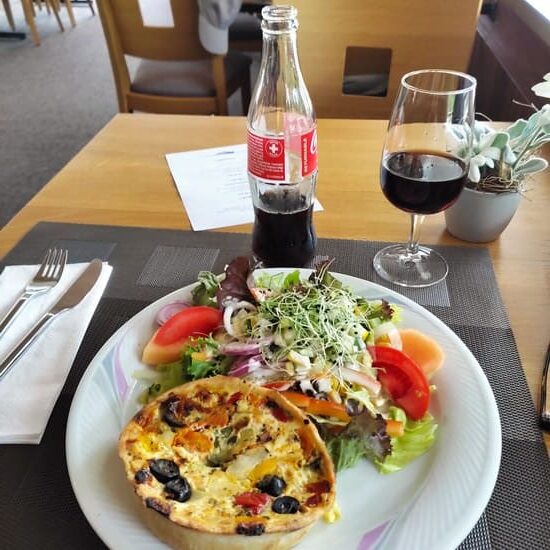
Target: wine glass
point(425, 165)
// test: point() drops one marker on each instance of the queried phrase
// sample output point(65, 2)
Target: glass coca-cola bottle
point(282, 148)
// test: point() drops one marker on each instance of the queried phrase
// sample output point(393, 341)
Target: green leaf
point(418, 438)
point(167, 376)
point(201, 369)
point(292, 279)
point(204, 294)
point(508, 156)
point(542, 89)
point(345, 453)
point(539, 142)
point(269, 282)
point(531, 166)
point(516, 129)
point(501, 140)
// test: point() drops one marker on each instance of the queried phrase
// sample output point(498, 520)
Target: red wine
point(422, 182)
point(283, 240)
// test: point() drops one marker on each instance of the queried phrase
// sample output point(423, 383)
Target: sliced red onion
point(169, 310)
point(246, 365)
point(244, 348)
point(240, 348)
point(227, 314)
point(230, 308)
point(361, 378)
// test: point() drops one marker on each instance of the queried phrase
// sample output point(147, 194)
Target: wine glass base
point(398, 265)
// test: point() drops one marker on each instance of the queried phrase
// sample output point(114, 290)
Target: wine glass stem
point(416, 222)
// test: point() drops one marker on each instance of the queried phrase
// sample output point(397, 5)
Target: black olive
point(272, 485)
point(164, 470)
point(170, 413)
point(315, 464)
point(250, 529)
point(178, 489)
point(160, 507)
point(142, 476)
point(285, 505)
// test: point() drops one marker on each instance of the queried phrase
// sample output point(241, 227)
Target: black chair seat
point(366, 84)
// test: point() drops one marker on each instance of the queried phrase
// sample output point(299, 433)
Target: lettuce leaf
point(204, 294)
point(365, 436)
point(345, 452)
point(418, 438)
point(278, 281)
point(187, 368)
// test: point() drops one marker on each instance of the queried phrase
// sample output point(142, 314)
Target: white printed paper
point(156, 13)
point(213, 185)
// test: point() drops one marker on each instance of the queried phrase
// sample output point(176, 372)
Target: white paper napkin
point(28, 392)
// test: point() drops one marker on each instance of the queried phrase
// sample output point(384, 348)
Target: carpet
point(53, 99)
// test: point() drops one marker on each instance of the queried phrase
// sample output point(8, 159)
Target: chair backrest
point(421, 34)
point(125, 29)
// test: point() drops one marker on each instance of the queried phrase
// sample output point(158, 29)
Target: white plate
point(432, 503)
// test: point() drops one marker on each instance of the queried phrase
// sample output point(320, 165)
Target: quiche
point(222, 463)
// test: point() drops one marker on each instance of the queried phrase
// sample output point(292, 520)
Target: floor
point(53, 99)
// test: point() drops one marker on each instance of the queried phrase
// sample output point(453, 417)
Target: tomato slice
point(193, 321)
point(403, 379)
point(165, 345)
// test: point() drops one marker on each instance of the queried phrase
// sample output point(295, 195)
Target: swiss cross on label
point(274, 148)
point(266, 157)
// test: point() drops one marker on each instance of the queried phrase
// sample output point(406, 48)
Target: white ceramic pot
point(480, 217)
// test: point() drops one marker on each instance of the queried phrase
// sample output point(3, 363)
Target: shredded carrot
point(317, 406)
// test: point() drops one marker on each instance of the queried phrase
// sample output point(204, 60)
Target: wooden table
point(121, 178)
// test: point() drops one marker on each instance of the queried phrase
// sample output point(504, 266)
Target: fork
point(46, 278)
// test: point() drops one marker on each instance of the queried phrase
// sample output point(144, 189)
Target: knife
point(73, 296)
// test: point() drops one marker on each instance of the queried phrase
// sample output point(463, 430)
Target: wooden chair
point(51, 6)
point(417, 34)
point(175, 74)
point(9, 14)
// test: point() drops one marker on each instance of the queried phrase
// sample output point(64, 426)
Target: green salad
point(342, 359)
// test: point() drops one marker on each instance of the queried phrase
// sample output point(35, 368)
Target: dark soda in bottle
point(282, 148)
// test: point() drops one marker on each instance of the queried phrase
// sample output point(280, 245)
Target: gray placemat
point(37, 506)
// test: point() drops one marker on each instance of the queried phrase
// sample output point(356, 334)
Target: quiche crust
point(222, 463)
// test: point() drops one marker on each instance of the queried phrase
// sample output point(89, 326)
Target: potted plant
point(500, 166)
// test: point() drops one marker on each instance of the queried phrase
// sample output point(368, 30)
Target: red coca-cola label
point(266, 157)
point(308, 144)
